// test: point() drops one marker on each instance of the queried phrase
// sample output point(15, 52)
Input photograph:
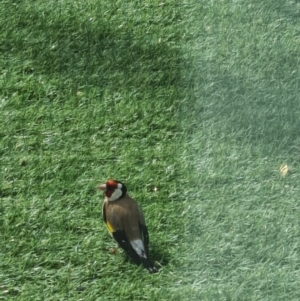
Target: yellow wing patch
point(109, 227)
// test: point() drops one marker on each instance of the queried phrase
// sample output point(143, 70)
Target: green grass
point(244, 126)
point(197, 99)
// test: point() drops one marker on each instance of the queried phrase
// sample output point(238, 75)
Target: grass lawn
point(194, 105)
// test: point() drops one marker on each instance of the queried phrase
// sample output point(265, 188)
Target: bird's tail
point(149, 265)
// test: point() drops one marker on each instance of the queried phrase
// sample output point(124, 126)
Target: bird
point(125, 222)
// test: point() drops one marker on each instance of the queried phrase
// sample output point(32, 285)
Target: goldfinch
point(125, 222)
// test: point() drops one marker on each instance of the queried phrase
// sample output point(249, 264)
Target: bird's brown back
point(124, 215)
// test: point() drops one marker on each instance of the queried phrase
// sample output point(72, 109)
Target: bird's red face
point(113, 189)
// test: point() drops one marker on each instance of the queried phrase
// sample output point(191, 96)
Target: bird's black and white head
point(113, 190)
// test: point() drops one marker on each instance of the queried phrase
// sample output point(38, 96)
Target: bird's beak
point(102, 187)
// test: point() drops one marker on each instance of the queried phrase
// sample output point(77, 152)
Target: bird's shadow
point(159, 257)
point(156, 254)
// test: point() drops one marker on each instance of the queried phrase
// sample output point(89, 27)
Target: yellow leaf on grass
point(284, 169)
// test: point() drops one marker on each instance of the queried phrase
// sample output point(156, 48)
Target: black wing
point(123, 242)
point(145, 234)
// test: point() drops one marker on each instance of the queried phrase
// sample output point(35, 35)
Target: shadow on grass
point(92, 52)
point(156, 255)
